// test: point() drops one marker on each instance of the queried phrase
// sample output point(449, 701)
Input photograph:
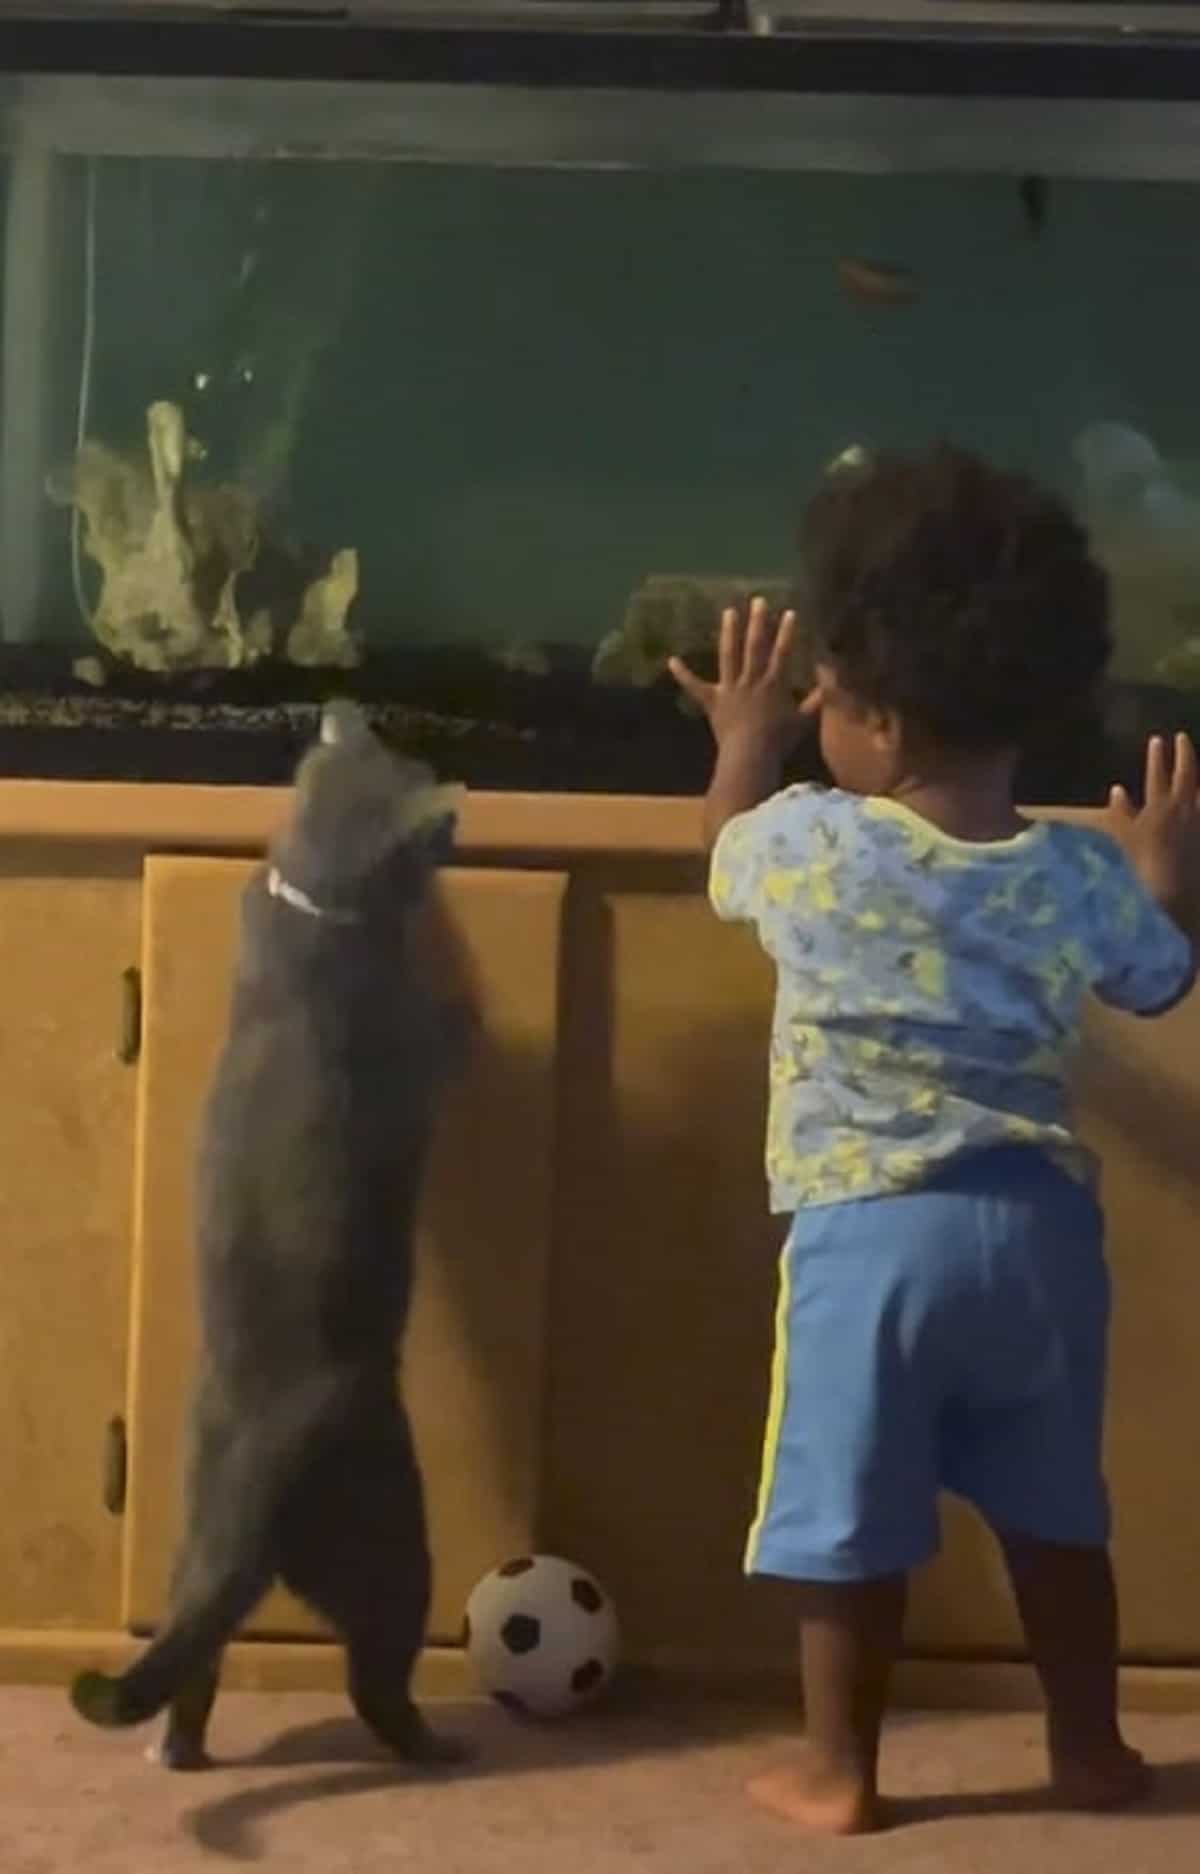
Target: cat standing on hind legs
point(301, 1466)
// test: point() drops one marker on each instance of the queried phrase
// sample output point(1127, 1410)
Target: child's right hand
point(752, 699)
point(1162, 841)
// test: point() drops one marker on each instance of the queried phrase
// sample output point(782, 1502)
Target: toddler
point(943, 1303)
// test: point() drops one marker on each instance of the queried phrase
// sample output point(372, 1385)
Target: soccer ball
point(542, 1636)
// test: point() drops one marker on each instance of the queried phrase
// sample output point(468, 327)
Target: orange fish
point(874, 283)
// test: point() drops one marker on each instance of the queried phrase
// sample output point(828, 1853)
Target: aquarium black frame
point(1046, 53)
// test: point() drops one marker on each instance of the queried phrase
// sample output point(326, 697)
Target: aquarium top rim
point(153, 816)
point(173, 816)
point(877, 56)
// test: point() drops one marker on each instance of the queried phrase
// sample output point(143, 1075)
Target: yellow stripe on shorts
point(778, 1398)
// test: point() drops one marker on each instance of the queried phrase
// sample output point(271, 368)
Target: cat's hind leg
point(224, 1566)
point(379, 1671)
point(193, 1635)
point(243, 1470)
point(354, 1546)
point(183, 1744)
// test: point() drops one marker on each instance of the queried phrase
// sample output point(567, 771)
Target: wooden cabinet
point(475, 1350)
point(588, 1358)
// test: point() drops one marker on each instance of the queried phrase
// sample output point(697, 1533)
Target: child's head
point(957, 612)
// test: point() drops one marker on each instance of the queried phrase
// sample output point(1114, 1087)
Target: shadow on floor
point(336, 1760)
point(346, 1762)
point(1176, 1792)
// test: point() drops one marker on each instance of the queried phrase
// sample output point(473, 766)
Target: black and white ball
point(542, 1635)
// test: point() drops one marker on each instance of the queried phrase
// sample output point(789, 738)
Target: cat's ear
point(342, 722)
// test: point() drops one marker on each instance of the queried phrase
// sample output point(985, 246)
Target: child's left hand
point(753, 699)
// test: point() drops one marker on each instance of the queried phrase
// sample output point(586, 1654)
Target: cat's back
point(312, 1150)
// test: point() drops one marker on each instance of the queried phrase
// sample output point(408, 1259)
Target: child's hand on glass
point(753, 699)
point(1163, 840)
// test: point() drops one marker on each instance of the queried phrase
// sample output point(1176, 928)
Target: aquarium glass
point(478, 404)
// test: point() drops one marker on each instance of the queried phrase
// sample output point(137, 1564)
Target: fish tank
point(469, 361)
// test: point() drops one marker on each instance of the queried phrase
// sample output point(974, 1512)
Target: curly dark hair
point(961, 596)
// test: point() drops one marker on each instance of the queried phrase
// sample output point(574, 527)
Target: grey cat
point(301, 1466)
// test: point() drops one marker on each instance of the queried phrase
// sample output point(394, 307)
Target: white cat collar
point(279, 887)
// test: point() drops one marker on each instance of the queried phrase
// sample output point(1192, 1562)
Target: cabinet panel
point(474, 1352)
point(665, 1274)
point(66, 1140)
point(1141, 1109)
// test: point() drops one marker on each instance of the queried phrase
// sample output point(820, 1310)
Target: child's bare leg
point(1068, 1605)
point(850, 1635)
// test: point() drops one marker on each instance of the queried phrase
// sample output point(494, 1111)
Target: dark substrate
point(471, 718)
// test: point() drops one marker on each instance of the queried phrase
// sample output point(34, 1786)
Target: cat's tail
point(194, 1636)
point(218, 1582)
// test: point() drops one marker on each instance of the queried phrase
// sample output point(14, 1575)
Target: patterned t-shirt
point(930, 989)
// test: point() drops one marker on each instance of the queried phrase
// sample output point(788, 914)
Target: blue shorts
point(951, 1338)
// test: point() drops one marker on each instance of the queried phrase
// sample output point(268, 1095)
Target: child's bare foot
point(1115, 1778)
point(829, 1801)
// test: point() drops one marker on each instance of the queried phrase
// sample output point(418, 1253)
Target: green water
point(517, 393)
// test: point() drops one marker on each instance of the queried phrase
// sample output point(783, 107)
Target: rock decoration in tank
point(319, 636)
point(679, 615)
point(1143, 516)
point(1144, 509)
point(1180, 667)
point(190, 579)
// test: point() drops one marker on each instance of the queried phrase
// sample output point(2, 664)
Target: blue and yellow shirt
point(930, 989)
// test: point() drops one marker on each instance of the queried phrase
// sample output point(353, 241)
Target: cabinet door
point(66, 1135)
point(474, 1351)
point(664, 1282)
